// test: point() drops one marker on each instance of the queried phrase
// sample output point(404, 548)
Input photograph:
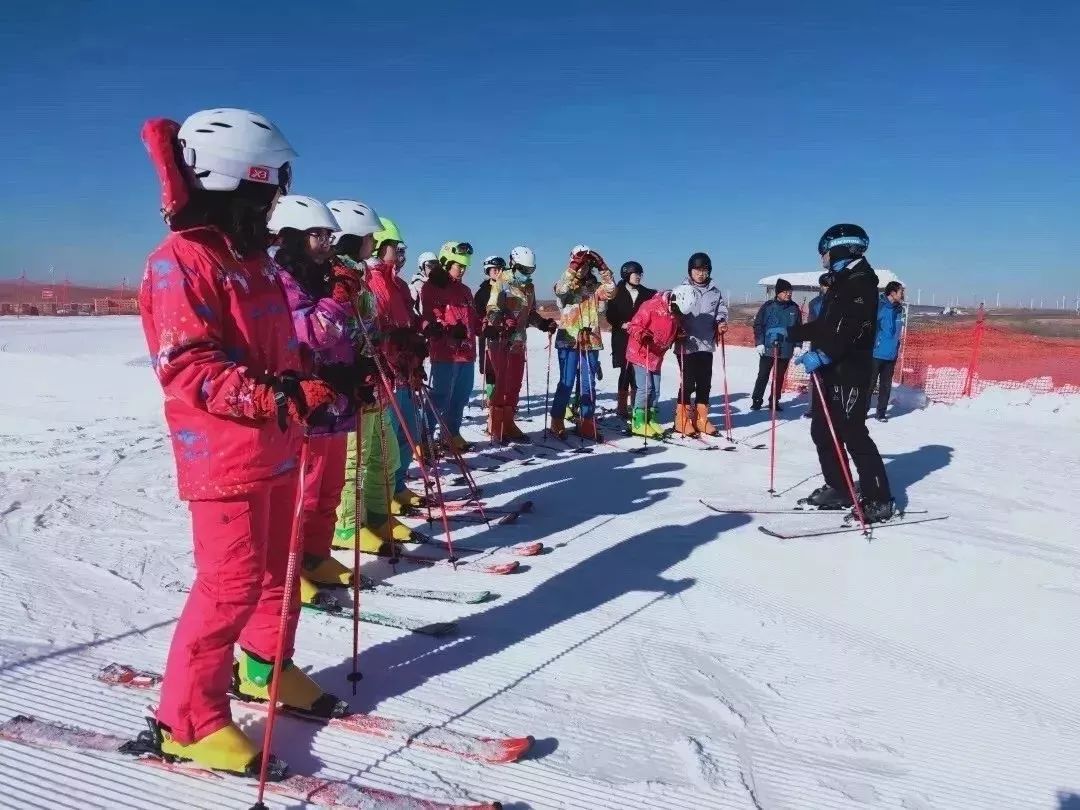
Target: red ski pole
point(840, 457)
point(286, 604)
point(727, 396)
point(358, 507)
point(772, 434)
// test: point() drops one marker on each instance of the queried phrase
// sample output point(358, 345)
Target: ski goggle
point(523, 269)
point(461, 249)
point(494, 263)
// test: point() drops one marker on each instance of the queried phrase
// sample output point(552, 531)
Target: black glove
point(435, 330)
point(492, 332)
point(366, 380)
point(550, 326)
point(458, 331)
point(419, 347)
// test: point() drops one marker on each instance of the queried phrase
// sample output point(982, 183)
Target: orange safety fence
point(951, 359)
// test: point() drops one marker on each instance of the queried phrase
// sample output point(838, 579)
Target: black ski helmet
point(849, 236)
point(629, 268)
point(699, 261)
point(825, 280)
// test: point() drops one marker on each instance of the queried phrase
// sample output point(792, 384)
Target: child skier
point(322, 302)
point(511, 308)
point(582, 299)
point(630, 294)
point(652, 331)
point(704, 320)
point(450, 323)
point(404, 350)
point(222, 344)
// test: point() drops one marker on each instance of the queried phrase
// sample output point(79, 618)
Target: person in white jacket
point(702, 326)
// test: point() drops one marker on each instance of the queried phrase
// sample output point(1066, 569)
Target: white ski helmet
point(302, 213)
point(353, 218)
point(579, 249)
point(224, 146)
point(424, 258)
point(684, 297)
point(523, 257)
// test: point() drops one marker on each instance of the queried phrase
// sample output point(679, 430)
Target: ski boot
point(511, 432)
point(702, 422)
point(370, 542)
point(825, 498)
point(874, 511)
point(557, 428)
point(228, 750)
point(755, 405)
point(683, 423)
point(251, 681)
point(407, 499)
point(320, 572)
point(588, 429)
point(460, 444)
point(642, 425)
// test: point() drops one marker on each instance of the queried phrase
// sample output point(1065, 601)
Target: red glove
point(647, 340)
point(598, 261)
point(346, 284)
point(290, 399)
point(509, 323)
point(580, 260)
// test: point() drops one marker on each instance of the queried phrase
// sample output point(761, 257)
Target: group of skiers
point(281, 329)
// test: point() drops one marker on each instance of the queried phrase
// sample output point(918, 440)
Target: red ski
point(508, 567)
point(309, 790)
point(490, 750)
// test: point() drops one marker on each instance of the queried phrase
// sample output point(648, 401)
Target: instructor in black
point(841, 344)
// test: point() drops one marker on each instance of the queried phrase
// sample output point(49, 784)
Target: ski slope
point(664, 656)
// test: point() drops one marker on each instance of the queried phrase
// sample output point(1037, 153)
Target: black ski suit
point(845, 332)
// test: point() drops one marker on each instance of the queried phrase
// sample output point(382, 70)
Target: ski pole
point(580, 368)
point(645, 431)
point(388, 390)
point(592, 395)
point(528, 393)
point(465, 472)
point(727, 397)
point(772, 408)
point(358, 504)
point(547, 385)
point(840, 457)
point(424, 435)
point(439, 492)
point(386, 485)
point(286, 604)
point(489, 365)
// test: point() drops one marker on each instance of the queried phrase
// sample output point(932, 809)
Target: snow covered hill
point(663, 655)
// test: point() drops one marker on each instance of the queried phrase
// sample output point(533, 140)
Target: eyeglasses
point(321, 236)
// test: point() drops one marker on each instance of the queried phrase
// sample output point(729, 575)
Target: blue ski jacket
point(890, 323)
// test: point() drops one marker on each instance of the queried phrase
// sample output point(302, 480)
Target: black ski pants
point(627, 382)
point(696, 377)
point(881, 377)
point(764, 373)
point(846, 393)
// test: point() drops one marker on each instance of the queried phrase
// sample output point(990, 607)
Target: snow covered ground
point(663, 655)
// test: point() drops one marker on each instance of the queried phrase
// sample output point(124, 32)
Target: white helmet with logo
point(353, 218)
point(579, 249)
point(302, 213)
point(221, 147)
point(684, 297)
point(522, 257)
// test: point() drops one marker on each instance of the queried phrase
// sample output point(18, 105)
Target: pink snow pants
point(324, 479)
point(241, 553)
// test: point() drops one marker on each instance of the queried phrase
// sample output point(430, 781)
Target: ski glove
point(775, 334)
point(491, 332)
point(435, 330)
point(287, 397)
point(346, 284)
point(761, 349)
point(550, 326)
point(812, 361)
point(401, 337)
point(458, 331)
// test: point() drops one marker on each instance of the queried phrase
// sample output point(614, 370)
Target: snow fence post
point(976, 344)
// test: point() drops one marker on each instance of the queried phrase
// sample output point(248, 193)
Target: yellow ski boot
point(251, 681)
point(228, 749)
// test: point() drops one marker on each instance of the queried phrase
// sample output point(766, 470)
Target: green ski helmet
point(388, 233)
point(460, 252)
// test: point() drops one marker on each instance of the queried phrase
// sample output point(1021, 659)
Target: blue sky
point(646, 130)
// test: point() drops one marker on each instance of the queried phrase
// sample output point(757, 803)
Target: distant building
point(805, 285)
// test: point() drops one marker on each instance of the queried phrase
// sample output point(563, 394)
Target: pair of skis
point(311, 790)
point(899, 519)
